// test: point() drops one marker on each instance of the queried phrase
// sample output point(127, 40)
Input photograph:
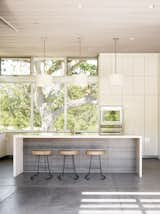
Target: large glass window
point(82, 114)
point(64, 105)
point(49, 108)
point(82, 108)
point(15, 66)
point(83, 65)
point(49, 101)
point(51, 66)
point(15, 106)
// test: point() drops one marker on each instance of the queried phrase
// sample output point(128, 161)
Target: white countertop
point(67, 136)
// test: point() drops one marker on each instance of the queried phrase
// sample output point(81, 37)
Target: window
point(49, 108)
point(49, 101)
point(86, 66)
point(82, 108)
point(82, 114)
point(15, 108)
point(61, 106)
point(15, 66)
point(54, 67)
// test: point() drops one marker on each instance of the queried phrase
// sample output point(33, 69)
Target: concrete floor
point(118, 194)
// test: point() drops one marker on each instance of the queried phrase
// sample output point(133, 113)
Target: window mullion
point(32, 107)
point(65, 108)
point(65, 99)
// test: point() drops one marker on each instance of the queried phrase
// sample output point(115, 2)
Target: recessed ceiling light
point(132, 38)
point(154, 6)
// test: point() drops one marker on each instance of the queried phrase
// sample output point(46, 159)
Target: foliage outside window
point(86, 66)
point(82, 108)
point(15, 66)
point(82, 101)
point(49, 108)
point(53, 67)
point(51, 103)
point(15, 106)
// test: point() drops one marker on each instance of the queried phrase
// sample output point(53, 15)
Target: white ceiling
point(61, 21)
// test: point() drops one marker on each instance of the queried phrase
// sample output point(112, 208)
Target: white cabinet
point(138, 96)
point(2, 145)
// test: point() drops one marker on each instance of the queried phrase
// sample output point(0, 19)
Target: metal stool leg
point(74, 169)
point(49, 171)
point(100, 164)
point(90, 165)
point(62, 174)
point(37, 172)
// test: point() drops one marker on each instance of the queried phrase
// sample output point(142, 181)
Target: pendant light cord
point(44, 48)
point(80, 50)
point(80, 46)
point(115, 54)
point(44, 55)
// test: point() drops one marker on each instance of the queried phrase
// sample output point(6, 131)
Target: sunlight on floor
point(120, 203)
point(121, 193)
point(111, 212)
point(90, 200)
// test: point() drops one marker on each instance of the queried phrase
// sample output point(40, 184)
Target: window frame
point(10, 57)
point(30, 79)
point(31, 98)
point(86, 58)
point(97, 75)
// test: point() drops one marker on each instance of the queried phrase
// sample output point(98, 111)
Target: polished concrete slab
point(118, 194)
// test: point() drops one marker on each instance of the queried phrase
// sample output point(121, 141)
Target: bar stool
point(95, 153)
point(45, 154)
point(72, 154)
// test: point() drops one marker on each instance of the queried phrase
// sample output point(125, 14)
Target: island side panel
point(17, 156)
point(120, 154)
point(139, 156)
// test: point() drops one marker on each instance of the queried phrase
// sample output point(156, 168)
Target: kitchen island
point(123, 152)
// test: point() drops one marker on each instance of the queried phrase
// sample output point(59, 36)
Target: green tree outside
point(15, 102)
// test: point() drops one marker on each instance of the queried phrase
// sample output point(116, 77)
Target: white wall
point(138, 96)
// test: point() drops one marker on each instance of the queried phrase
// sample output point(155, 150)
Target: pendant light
point(43, 79)
point(116, 78)
point(80, 79)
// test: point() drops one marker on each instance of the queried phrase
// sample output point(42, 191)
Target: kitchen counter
point(123, 152)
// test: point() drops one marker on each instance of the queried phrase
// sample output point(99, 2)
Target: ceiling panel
point(62, 22)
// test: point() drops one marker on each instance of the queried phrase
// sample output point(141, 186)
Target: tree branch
point(74, 103)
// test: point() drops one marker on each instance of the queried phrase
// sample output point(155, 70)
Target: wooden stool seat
point(69, 152)
point(95, 152)
point(42, 152)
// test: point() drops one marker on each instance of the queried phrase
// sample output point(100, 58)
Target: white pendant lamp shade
point(80, 79)
point(43, 80)
point(116, 79)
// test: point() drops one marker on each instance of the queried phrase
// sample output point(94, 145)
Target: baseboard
point(151, 157)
